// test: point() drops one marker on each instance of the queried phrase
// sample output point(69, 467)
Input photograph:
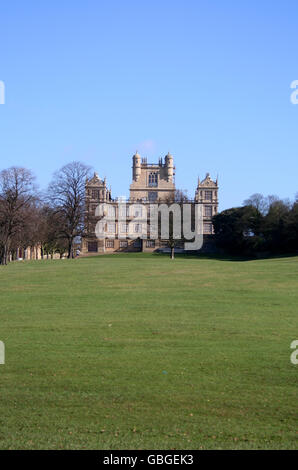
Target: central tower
point(152, 181)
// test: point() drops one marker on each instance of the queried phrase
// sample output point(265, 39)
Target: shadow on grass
point(193, 255)
point(229, 257)
point(209, 256)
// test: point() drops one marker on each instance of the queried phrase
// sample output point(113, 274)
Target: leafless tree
point(51, 239)
point(260, 202)
point(66, 195)
point(27, 234)
point(17, 193)
point(181, 196)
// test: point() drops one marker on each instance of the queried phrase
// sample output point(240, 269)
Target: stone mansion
point(151, 183)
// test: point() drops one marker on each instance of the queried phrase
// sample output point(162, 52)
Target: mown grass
point(137, 351)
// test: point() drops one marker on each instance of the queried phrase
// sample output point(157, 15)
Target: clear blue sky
point(208, 81)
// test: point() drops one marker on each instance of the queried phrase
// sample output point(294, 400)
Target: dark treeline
point(262, 226)
point(51, 220)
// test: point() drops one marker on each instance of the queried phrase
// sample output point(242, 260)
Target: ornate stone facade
point(150, 183)
point(207, 195)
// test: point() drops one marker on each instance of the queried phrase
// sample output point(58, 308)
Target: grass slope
point(137, 351)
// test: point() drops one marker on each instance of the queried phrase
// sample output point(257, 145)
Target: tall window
point(124, 228)
point(208, 195)
point(208, 211)
point(153, 179)
point(138, 228)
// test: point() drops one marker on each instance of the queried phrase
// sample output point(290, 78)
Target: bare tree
point(258, 201)
point(181, 196)
point(66, 194)
point(51, 239)
point(42, 230)
point(27, 234)
point(17, 193)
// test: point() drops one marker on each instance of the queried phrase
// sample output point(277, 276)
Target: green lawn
point(137, 351)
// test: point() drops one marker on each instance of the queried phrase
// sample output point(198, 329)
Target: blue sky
point(208, 81)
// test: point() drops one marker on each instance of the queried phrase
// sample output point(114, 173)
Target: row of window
point(124, 211)
point(124, 243)
point(137, 228)
point(93, 247)
point(152, 195)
